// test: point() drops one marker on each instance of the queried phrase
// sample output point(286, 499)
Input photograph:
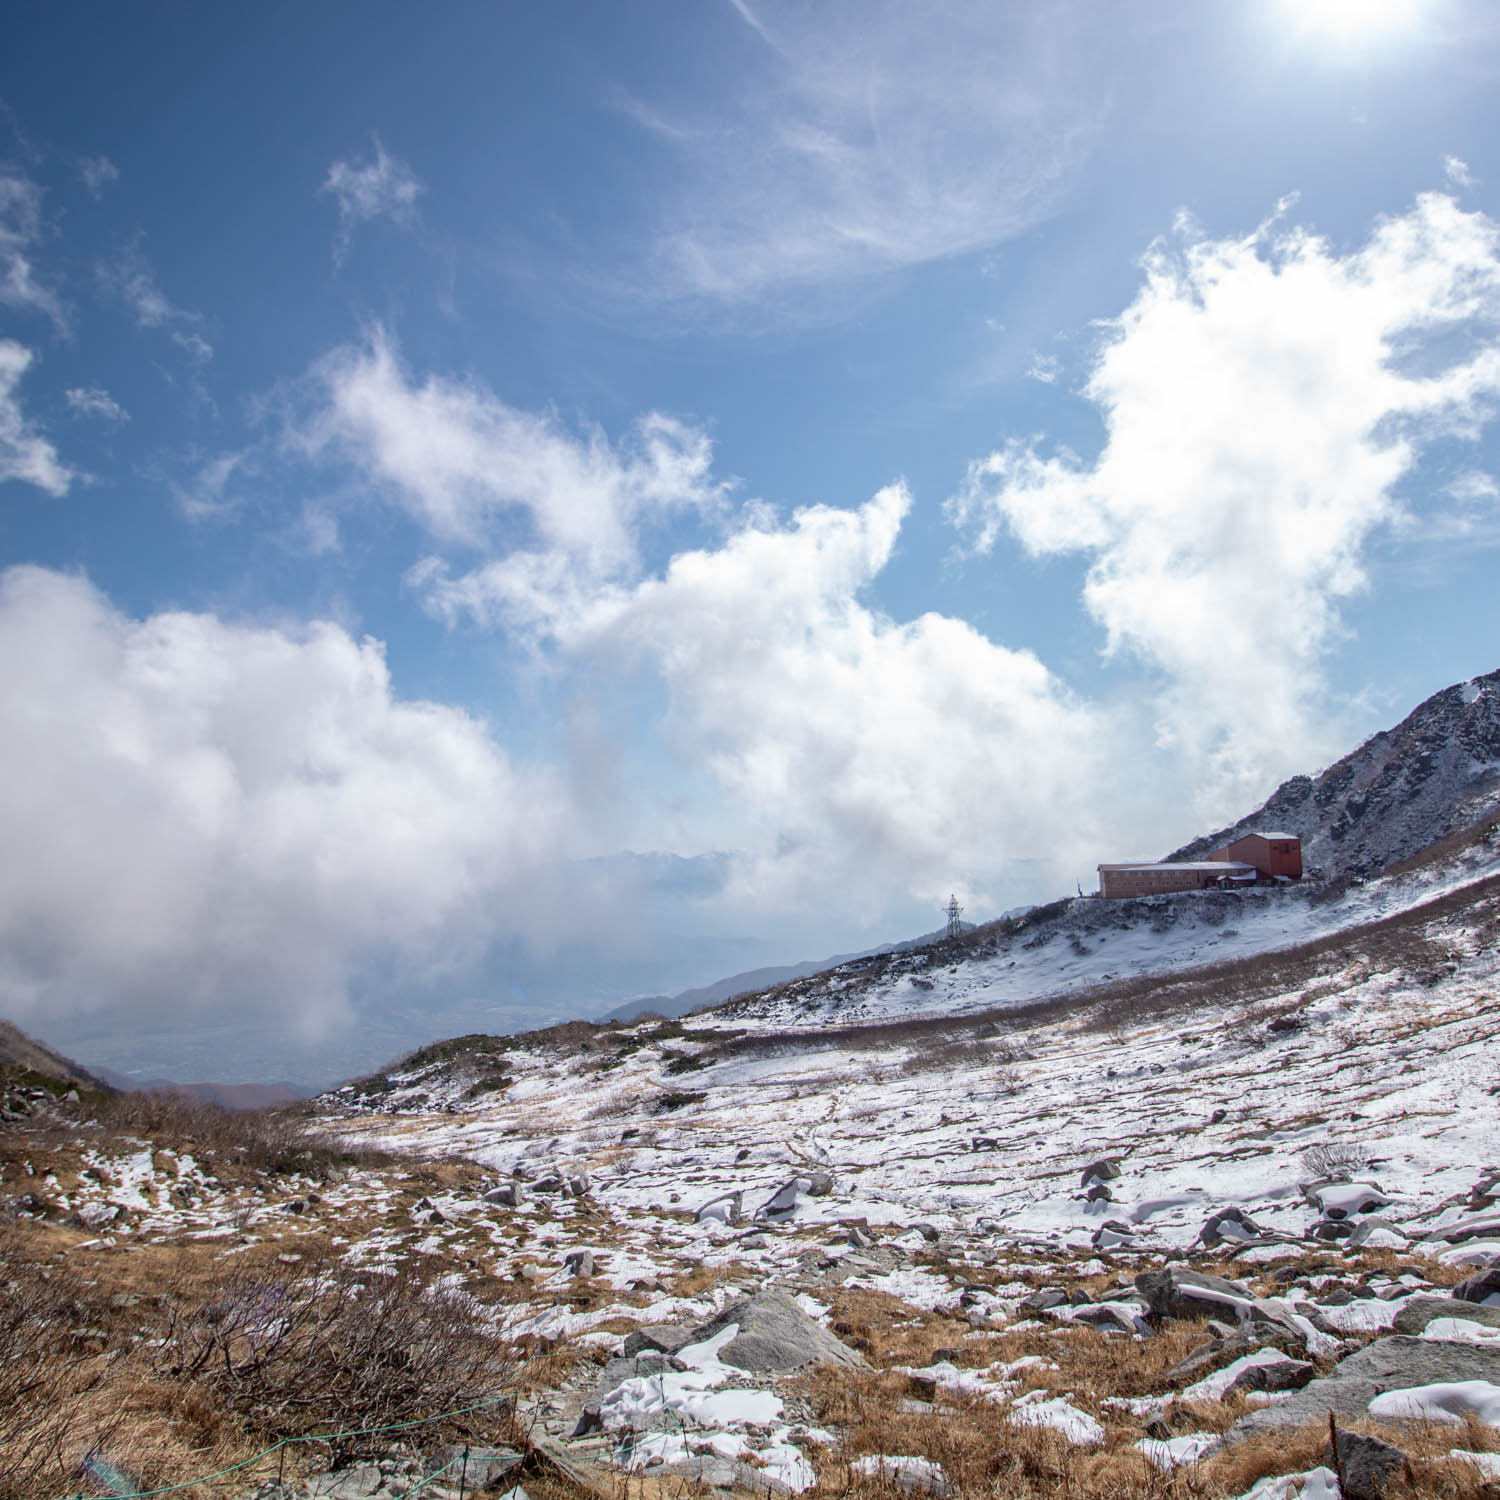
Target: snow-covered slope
point(1435, 773)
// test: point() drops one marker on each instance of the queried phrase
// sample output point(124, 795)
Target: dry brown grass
point(169, 1361)
point(983, 1455)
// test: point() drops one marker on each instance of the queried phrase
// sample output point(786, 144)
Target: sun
point(1353, 20)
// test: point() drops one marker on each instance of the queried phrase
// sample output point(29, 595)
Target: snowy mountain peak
point(1436, 773)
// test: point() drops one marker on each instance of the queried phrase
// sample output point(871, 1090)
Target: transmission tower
point(955, 915)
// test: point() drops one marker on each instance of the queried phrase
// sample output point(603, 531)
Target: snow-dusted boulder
point(1396, 1363)
point(775, 1335)
point(1484, 1288)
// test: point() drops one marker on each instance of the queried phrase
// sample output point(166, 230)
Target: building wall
point(1144, 881)
point(1271, 857)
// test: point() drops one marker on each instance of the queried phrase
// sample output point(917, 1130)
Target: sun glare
point(1354, 20)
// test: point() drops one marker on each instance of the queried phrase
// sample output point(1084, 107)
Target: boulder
point(1481, 1287)
point(774, 1336)
point(1177, 1292)
point(782, 1204)
point(1228, 1224)
point(658, 1338)
point(615, 1373)
point(819, 1184)
point(579, 1263)
point(483, 1467)
point(1365, 1465)
point(1284, 1375)
point(1207, 1358)
point(1101, 1171)
point(1341, 1200)
point(1041, 1301)
point(509, 1195)
point(1383, 1234)
point(1111, 1317)
point(1418, 1312)
point(1388, 1364)
point(723, 1475)
point(727, 1208)
point(1473, 1229)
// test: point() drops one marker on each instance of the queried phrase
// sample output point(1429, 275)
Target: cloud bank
point(212, 820)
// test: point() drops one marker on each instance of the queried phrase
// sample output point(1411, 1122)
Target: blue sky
point(508, 512)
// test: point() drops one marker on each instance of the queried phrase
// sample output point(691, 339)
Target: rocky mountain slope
point(1435, 773)
point(21, 1053)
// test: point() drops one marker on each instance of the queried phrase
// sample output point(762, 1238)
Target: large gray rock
point(1177, 1292)
point(1472, 1229)
point(1229, 1224)
point(1389, 1364)
point(1365, 1465)
point(1418, 1312)
point(656, 1338)
point(1480, 1287)
point(774, 1336)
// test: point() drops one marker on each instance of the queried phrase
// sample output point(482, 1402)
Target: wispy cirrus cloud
point(98, 172)
point(1264, 399)
point(867, 136)
point(24, 453)
point(21, 286)
point(95, 401)
point(208, 493)
point(129, 277)
point(376, 186)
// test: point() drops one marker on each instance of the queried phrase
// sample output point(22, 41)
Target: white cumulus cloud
point(213, 822)
point(853, 754)
point(476, 472)
point(24, 453)
point(1263, 399)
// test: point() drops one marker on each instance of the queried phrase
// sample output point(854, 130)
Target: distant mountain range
point(225, 1095)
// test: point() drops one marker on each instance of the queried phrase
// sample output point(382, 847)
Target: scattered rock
point(1388, 1364)
point(1418, 1312)
point(1042, 1301)
point(579, 1263)
point(727, 1208)
point(508, 1195)
point(1105, 1170)
point(659, 1338)
point(1480, 1287)
point(1284, 1375)
point(1228, 1224)
point(1365, 1465)
point(775, 1335)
